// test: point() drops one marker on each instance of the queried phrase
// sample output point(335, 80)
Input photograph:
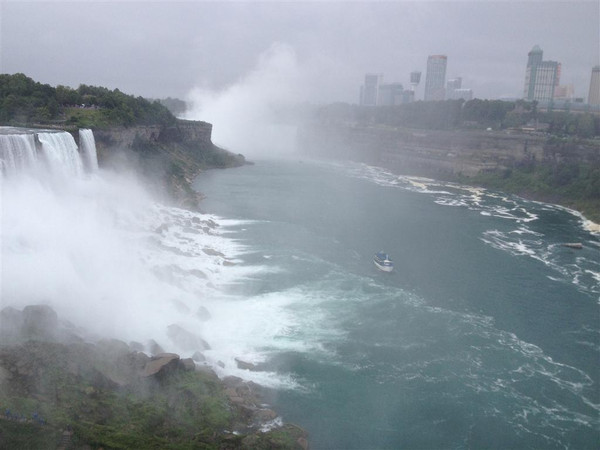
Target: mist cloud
point(245, 114)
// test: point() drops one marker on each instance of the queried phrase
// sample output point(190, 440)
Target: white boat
point(383, 262)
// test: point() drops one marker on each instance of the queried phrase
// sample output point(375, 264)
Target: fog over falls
point(97, 248)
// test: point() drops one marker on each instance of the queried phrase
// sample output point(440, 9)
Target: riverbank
point(108, 394)
point(532, 165)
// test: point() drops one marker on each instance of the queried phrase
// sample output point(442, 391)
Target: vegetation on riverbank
point(576, 186)
point(59, 391)
point(473, 114)
point(567, 173)
point(25, 102)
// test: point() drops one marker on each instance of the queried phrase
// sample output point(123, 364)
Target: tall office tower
point(453, 85)
point(541, 77)
point(390, 94)
point(435, 79)
point(370, 90)
point(594, 95)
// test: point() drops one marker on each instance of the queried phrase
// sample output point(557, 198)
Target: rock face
point(39, 322)
point(433, 153)
point(124, 137)
point(163, 363)
point(173, 154)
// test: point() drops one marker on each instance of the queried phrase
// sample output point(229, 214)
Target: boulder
point(136, 346)
point(203, 314)
point(185, 339)
point(188, 364)
point(161, 364)
point(244, 365)
point(40, 322)
point(197, 356)
point(154, 347)
point(264, 415)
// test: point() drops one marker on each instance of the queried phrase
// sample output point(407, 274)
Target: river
point(486, 335)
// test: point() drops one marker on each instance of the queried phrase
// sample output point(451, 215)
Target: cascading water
point(109, 259)
point(17, 152)
point(88, 150)
point(61, 154)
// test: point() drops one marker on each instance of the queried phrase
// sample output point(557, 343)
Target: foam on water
point(524, 240)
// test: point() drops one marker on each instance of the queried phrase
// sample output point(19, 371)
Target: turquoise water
point(486, 335)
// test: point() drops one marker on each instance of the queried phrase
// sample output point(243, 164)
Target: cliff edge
point(174, 154)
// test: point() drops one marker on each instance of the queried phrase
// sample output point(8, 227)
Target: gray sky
point(318, 50)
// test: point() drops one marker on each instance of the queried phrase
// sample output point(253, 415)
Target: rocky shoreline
point(108, 394)
point(517, 162)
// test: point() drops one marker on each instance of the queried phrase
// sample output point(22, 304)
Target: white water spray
point(61, 154)
point(17, 153)
point(88, 150)
point(109, 259)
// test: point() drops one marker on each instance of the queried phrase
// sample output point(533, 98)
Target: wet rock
point(188, 364)
point(203, 314)
point(199, 357)
point(136, 346)
point(185, 339)
point(264, 415)
point(40, 322)
point(212, 252)
point(244, 365)
point(154, 347)
point(161, 364)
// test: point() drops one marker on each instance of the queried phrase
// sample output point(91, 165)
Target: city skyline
point(542, 84)
point(312, 51)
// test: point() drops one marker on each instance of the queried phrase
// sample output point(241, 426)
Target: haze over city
point(309, 51)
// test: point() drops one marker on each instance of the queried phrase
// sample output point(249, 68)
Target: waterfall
point(60, 151)
point(25, 150)
point(17, 152)
point(88, 150)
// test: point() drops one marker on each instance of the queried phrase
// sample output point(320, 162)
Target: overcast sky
point(319, 50)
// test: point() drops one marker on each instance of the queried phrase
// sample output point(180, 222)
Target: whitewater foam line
point(498, 205)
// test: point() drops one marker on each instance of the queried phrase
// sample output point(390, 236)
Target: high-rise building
point(452, 85)
point(390, 94)
point(594, 95)
point(564, 93)
point(541, 77)
point(465, 94)
point(369, 92)
point(435, 79)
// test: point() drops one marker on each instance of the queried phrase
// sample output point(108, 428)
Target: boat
point(577, 245)
point(383, 262)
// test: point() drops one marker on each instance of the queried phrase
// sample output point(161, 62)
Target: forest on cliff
point(25, 102)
